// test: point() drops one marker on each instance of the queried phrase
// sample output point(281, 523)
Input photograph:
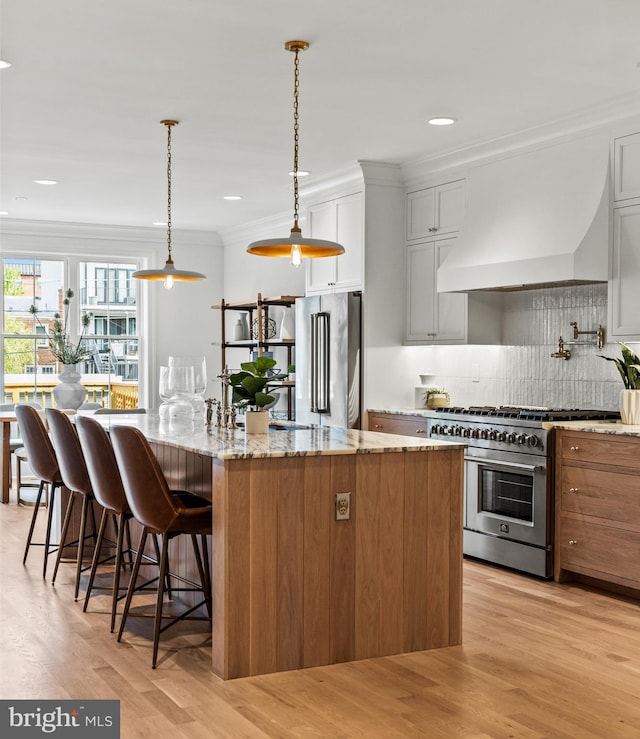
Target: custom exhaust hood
point(534, 220)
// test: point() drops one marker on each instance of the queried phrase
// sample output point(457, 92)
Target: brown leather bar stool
point(44, 463)
point(109, 492)
point(76, 478)
point(167, 513)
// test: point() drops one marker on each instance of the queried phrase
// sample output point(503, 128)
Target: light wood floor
point(538, 660)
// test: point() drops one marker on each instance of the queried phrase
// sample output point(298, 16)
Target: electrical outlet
point(343, 506)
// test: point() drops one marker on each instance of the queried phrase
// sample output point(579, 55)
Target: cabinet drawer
point(405, 425)
point(609, 495)
point(601, 549)
point(600, 449)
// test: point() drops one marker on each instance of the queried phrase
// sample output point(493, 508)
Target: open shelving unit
point(258, 315)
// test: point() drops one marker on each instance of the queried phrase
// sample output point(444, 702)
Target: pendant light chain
point(296, 138)
point(169, 125)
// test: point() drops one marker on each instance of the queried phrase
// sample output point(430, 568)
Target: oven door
point(506, 495)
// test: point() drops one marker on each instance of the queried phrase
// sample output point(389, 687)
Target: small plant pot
point(256, 422)
point(630, 407)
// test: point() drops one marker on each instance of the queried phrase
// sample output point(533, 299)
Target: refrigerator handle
point(322, 362)
point(313, 335)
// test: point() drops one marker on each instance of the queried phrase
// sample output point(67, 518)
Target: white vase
point(287, 325)
point(630, 407)
point(69, 394)
point(256, 422)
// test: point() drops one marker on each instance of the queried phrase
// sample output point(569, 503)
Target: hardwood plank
point(437, 545)
point(415, 597)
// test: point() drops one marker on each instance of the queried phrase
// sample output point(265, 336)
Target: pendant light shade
point(169, 274)
point(295, 247)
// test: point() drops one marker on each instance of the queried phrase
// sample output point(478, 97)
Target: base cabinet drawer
point(603, 448)
point(389, 423)
point(593, 548)
point(595, 492)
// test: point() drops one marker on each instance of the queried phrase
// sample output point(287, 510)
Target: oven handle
point(484, 460)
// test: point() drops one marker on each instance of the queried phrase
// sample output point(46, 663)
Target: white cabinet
point(341, 220)
point(431, 316)
point(624, 296)
point(627, 167)
point(435, 211)
point(445, 318)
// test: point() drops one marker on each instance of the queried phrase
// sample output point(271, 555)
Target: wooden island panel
point(294, 588)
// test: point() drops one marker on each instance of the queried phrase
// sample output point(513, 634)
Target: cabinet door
point(396, 424)
point(420, 280)
point(450, 207)
point(321, 273)
point(350, 233)
point(624, 294)
point(421, 213)
point(451, 308)
point(627, 167)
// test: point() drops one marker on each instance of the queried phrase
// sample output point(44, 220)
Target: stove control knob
point(458, 431)
point(484, 434)
point(492, 435)
point(450, 430)
point(533, 440)
point(475, 434)
point(466, 432)
point(522, 438)
point(511, 438)
point(501, 436)
point(434, 430)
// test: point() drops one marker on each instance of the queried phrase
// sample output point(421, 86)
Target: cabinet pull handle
point(432, 229)
point(573, 542)
point(377, 425)
point(573, 490)
point(421, 431)
point(431, 333)
point(575, 448)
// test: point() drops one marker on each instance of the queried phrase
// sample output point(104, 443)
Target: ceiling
point(90, 82)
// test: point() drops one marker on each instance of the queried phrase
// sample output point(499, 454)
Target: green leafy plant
point(60, 344)
point(249, 385)
point(291, 368)
point(628, 366)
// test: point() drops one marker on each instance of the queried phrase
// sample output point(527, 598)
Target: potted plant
point(628, 365)
point(291, 372)
point(69, 393)
point(435, 397)
point(249, 388)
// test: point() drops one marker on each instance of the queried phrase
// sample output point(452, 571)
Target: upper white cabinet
point(341, 220)
point(435, 211)
point(624, 296)
point(627, 167)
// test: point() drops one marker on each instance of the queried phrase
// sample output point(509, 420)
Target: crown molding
point(155, 236)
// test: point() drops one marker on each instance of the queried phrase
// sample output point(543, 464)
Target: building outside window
point(104, 290)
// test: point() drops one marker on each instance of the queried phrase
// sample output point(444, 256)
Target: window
point(106, 292)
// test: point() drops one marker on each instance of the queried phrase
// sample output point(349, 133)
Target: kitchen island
point(329, 545)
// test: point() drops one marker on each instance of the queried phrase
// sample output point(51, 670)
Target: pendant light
point(295, 246)
point(169, 273)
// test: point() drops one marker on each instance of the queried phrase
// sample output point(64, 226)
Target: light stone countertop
point(598, 427)
point(403, 411)
point(234, 444)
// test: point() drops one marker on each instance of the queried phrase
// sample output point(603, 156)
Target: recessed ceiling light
point(4, 212)
point(301, 173)
point(441, 121)
point(46, 182)
point(21, 197)
point(160, 223)
point(4, 64)
point(233, 197)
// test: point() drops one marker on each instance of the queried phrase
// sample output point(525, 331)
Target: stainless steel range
point(508, 506)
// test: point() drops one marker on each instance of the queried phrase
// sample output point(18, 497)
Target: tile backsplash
point(521, 371)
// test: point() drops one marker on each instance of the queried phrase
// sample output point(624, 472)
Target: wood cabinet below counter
point(398, 423)
point(598, 508)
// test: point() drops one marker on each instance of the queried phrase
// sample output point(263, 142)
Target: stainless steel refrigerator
point(329, 360)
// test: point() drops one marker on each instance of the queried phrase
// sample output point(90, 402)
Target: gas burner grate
point(532, 413)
